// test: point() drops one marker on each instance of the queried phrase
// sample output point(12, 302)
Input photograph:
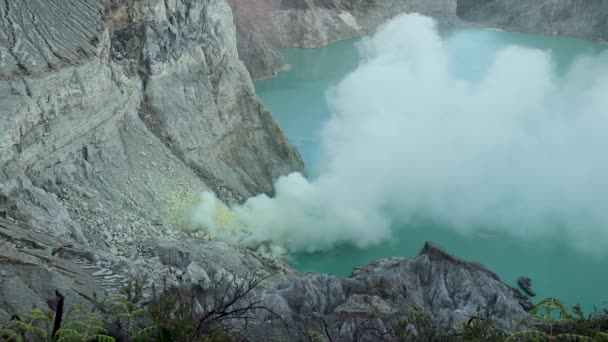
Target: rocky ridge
point(449, 288)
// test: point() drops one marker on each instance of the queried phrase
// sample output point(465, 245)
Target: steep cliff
point(113, 116)
point(129, 102)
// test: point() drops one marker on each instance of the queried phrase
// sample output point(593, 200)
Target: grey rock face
point(198, 275)
point(450, 289)
point(34, 265)
point(579, 18)
point(274, 24)
point(113, 116)
point(200, 101)
point(133, 102)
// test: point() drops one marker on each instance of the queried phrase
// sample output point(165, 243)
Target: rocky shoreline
point(115, 114)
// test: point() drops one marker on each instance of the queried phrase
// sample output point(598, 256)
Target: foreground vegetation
point(177, 315)
point(549, 321)
point(171, 315)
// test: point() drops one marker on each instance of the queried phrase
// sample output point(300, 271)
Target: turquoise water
point(297, 100)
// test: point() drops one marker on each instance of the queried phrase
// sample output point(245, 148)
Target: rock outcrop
point(525, 284)
point(449, 288)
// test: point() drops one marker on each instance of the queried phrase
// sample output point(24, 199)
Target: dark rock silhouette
point(526, 284)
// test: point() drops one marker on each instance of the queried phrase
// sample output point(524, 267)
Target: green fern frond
point(601, 337)
point(9, 335)
point(552, 304)
point(38, 315)
point(85, 323)
point(529, 335)
point(573, 338)
point(546, 310)
point(103, 338)
point(68, 335)
point(132, 315)
point(26, 328)
point(153, 333)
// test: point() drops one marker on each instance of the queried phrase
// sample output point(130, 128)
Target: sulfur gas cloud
point(522, 150)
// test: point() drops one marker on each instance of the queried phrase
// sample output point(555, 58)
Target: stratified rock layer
point(127, 105)
point(114, 116)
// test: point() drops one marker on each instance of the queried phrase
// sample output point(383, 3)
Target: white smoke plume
point(522, 150)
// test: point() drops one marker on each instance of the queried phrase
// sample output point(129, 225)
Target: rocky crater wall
point(266, 26)
point(587, 19)
point(114, 116)
point(130, 102)
point(114, 113)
